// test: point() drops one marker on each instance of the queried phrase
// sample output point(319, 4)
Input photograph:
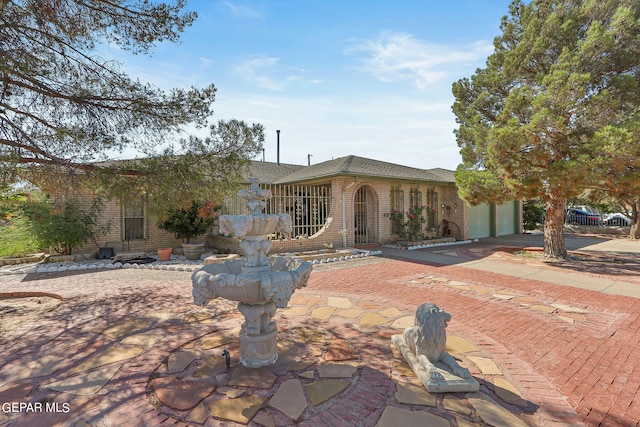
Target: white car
point(617, 219)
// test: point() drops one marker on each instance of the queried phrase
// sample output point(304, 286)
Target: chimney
point(278, 148)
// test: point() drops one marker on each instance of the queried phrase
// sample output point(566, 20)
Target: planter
point(193, 251)
point(164, 254)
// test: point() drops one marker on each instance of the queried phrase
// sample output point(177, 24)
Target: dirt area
point(15, 312)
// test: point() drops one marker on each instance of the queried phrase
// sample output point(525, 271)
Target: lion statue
point(427, 341)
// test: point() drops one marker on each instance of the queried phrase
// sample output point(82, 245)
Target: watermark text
point(26, 407)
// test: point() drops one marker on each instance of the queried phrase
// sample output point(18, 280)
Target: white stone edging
point(346, 258)
point(433, 245)
point(44, 268)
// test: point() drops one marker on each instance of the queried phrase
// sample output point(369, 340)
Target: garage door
point(480, 221)
point(507, 219)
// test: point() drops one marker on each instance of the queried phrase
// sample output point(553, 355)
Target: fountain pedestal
point(259, 283)
point(257, 351)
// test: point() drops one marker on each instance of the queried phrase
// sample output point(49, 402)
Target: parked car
point(617, 219)
point(580, 217)
point(586, 208)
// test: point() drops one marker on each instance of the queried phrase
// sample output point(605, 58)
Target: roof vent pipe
point(278, 148)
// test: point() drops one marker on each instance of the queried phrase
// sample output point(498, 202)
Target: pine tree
point(560, 89)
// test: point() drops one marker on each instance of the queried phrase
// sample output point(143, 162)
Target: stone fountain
point(259, 283)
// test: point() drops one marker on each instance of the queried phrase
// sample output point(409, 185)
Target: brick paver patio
point(568, 355)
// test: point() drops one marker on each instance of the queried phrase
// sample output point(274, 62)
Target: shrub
point(189, 221)
point(408, 225)
point(64, 225)
point(16, 239)
point(532, 214)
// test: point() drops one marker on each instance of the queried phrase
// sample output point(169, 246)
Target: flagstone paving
point(318, 363)
point(135, 351)
point(414, 393)
point(393, 417)
point(290, 399)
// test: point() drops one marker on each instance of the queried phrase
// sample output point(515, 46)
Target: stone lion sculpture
point(427, 339)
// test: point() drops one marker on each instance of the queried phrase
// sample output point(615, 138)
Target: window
point(432, 208)
point(133, 220)
point(397, 205)
point(415, 198)
point(397, 199)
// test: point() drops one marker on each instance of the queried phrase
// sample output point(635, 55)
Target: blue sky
point(370, 78)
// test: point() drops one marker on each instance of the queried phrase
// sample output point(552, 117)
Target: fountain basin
point(235, 281)
point(254, 225)
point(259, 283)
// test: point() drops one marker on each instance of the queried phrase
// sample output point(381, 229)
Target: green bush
point(189, 221)
point(16, 239)
point(409, 225)
point(64, 225)
point(531, 214)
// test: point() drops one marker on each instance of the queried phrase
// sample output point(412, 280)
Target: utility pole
point(278, 148)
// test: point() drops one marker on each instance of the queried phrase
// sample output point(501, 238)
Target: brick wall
point(341, 217)
point(455, 211)
point(154, 237)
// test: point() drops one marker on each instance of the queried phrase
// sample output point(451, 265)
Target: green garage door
point(507, 219)
point(480, 221)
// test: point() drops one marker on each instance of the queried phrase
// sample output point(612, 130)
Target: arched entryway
point(365, 216)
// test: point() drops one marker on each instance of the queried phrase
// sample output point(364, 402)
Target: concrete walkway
point(607, 285)
point(128, 347)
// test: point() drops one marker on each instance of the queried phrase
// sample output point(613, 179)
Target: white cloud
point(400, 57)
point(254, 71)
point(263, 71)
point(242, 11)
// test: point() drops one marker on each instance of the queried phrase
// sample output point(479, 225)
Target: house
point(344, 202)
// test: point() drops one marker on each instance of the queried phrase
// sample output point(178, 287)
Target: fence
point(308, 205)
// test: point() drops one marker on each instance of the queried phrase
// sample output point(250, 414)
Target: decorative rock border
point(172, 266)
point(433, 245)
point(345, 258)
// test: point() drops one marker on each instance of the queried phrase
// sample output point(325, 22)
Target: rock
point(181, 394)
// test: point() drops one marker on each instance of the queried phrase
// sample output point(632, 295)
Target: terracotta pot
point(164, 254)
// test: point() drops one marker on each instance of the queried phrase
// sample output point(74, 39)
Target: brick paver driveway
point(563, 347)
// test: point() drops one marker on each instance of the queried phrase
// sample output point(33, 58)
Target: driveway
point(128, 347)
point(572, 242)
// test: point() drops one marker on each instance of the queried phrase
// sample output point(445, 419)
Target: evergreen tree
point(63, 106)
point(560, 90)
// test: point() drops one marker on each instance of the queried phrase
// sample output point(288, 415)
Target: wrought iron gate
point(308, 205)
point(365, 221)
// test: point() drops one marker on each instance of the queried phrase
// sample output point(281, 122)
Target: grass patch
point(16, 239)
point(526, 254)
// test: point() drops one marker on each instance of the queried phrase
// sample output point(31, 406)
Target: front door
point(366, 214)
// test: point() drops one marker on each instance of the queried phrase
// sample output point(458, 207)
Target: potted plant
point(188, 222)
point(164, 254)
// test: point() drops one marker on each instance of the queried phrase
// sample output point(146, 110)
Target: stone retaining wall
point(22, 260)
